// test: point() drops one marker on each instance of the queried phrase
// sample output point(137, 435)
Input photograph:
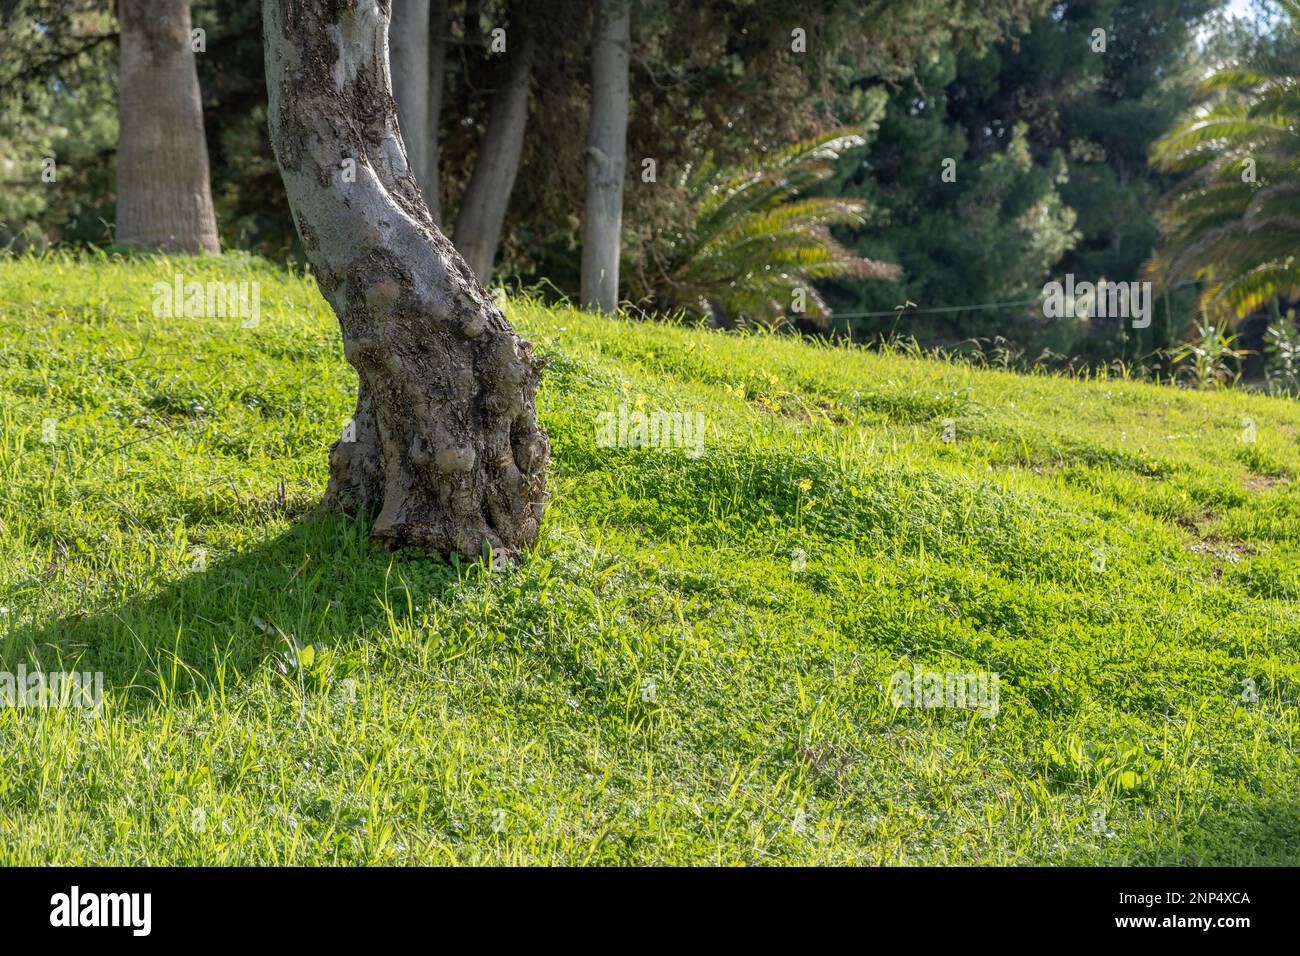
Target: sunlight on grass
point(693, 665)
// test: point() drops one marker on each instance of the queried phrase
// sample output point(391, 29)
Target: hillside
point(695, 664)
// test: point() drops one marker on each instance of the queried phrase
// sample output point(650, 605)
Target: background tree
point(706, 77)
point(964, 229)
point(164, 198)
point(58, 102)
point(606, 158)
point(432, 181)
point(483, 206)
point(408, 52)
point(1071, 193)
point(444, 449)
point(1233, 221)
point(716, 78)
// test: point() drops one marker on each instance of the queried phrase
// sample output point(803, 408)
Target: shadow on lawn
point(1251, 832)
point(320, 582)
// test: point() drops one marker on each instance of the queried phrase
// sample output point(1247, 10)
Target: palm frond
point(1233, 222)
point(758, 238)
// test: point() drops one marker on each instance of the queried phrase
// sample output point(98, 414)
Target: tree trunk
point(437, 75)
point(483, 206)
point(606, 156)
point(164, 198)
point(408, 47)
point(447, 450)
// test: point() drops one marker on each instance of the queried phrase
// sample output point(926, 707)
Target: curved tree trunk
point(448, 452)
point(408, 48)
point(164, 198)
point(606, 156)
point(483, 206)
point(432, 182)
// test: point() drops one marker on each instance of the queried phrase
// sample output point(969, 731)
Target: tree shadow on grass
point(1249, 832)
point(321, 582)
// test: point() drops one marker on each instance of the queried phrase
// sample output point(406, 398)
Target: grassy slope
point(500, 717)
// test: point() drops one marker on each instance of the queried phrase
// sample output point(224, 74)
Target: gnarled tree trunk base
point(446, 452)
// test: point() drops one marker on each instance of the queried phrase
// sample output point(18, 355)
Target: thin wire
point(934, 309)
point(961, 308)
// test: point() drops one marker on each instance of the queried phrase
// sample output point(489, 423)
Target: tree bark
point(483, 206)
point(447, 453)
point(164, 197)
point(606, 156)
point(408, 47)
point(437, 77)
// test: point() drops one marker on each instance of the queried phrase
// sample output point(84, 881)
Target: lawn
point(694, 666)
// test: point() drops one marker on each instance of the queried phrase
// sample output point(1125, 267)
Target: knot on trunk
point(455, 460)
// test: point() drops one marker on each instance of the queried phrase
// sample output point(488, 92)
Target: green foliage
point(692, 666)
point(57, 105)
point(1233, 222)
point(720, 79)
point(992, 235)
point(756, 242)
point(1282, 355)
point(1210, 359)
point(1050, 142)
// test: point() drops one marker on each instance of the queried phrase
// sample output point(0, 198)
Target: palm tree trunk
point(606, 156)
point(447, 448)
point(164, 198)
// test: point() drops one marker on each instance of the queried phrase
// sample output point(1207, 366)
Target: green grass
point(1112, 550)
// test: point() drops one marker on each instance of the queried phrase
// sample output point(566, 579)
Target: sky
point(1245, 8)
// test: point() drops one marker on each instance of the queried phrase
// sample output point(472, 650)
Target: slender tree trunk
point(445, 449)
point(483, 207)
point(164, 198)
point(408, 47)
point(437, 75)
point(606, 155)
